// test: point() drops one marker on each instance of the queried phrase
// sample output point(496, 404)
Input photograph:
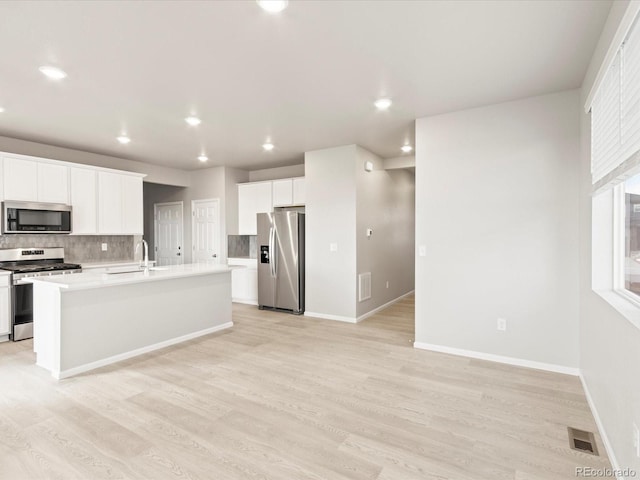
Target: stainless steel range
point(24, 263)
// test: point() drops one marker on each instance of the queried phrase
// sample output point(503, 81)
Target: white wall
point(496, 203)
point(331, 218)
point(233, 176)
point(155, 173)
point(204, 184)
point(609, 343)
point(276, 173)
point(385, 203)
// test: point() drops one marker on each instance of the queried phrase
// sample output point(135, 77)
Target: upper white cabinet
point(103, 201)
point(282, 192)
point(132, 208)
point(20, 179)
point(260, 197)
point(299, 191)
point(253, 198)
point(33, 181)
point(119, 204)
point(53, 183)
point(84, 201)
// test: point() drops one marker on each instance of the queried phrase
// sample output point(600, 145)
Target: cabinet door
point(253, 198)
point(252, 285)
point(299, 191)
point(132, 209)
point(238, 284)
point(84, 201)
point(53, 183)
point(109, 203)
point(20, 179)
point(282, 192)
point(5, 311)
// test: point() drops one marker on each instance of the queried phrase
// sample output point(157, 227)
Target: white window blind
point(605, 124)
point(615, 111)
point(630, 89)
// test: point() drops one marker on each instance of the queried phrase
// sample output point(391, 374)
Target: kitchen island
point(87, 320)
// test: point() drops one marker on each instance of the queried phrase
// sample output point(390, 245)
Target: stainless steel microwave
point(31, 217)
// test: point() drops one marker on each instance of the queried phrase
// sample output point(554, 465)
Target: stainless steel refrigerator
point(281, 261)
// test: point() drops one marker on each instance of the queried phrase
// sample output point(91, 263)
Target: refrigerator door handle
point(272, 267)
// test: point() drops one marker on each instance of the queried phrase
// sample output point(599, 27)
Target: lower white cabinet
point(244, 285)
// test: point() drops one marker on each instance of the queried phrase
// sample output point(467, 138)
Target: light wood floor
point(292, 398)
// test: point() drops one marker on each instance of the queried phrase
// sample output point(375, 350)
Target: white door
point(206, 230)
point(168, 233)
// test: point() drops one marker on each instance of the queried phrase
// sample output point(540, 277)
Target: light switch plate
point(422, 251)
point(333, 247)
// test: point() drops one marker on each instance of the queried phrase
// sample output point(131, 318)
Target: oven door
point(22, 301)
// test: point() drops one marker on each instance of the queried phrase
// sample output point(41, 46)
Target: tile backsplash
point(78, 248)
point(242, 246)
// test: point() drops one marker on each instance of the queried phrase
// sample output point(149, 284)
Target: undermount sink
point(158, 268)
point(127, 270)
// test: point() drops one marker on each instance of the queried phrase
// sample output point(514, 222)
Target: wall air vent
point(364, 286)
point(582, 441)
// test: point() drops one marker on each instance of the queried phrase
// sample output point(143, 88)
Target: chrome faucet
point(145, 252)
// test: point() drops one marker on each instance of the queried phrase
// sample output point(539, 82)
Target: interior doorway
point(206, 230)
point(168, 233)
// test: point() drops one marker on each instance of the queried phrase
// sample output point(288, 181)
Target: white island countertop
point(90, 280)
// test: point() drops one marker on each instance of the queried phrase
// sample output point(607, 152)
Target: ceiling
point(305, 79)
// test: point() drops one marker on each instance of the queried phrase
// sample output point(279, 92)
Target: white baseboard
point(326, 316)
point(382, 307)
point(519, 362)
point(603, 433)
point(245, 302)
point(134, 353)
point(341, 318)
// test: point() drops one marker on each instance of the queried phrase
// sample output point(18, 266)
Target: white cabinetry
point(5, 307)
point(53, 183)
point(20, 178)
point(84, 196)
point(244, 281)
point(32, 181)
point(299, 191)
point(253, 198)
point(132, 208)
point(260, 197)
point(282, 192)
point(119, 204)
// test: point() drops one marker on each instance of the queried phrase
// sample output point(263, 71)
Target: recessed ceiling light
point(406, 148)
point(193, 121)
point(52, 72)
point(268, 146)
point(1, 110)
point(203, 158)
point(382, 103)
point(123, 139)
point(273, 6)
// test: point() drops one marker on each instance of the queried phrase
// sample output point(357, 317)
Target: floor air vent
point(582, 441)
point(364, 286)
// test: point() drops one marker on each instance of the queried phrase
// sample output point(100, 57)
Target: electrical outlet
point(502, 324)
point(333, 247)
point(422, 251)
point(104, 247)
point(636, 440)
point(387, 283)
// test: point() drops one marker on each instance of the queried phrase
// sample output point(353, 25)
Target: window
point(629, 250)
point(615, 168)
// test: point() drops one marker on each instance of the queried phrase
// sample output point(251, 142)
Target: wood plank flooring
point(284, 397)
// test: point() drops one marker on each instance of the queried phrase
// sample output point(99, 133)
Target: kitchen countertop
point(90, 280)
